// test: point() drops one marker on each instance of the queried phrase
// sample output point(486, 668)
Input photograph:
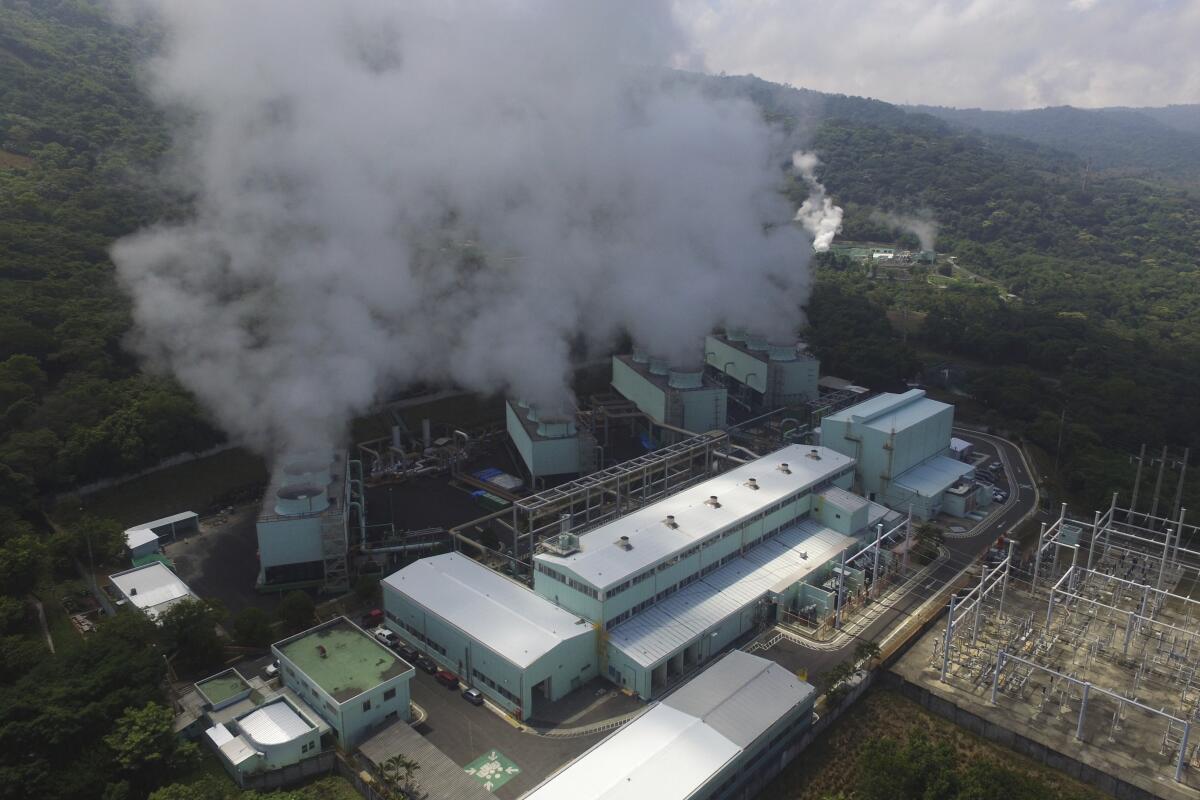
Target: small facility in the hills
point(350, 679)
point(723, 734)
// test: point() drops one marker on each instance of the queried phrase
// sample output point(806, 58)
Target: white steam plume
point(443, 191)
point(817, 214)
point(921, 224)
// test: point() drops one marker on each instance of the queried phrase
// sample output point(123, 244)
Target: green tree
point(397, 773)
point(865, 651)
point(252, 627)
point(144, 743)
point(296, 611)
point(12, 614)
point(189, 630)
point(366, 589)
point(20, 558)
point(928, 538)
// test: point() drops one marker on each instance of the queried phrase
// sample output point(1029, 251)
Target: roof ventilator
point(814, 454)
point(712, 501)
point(624, 543)
point(785, 469)
point(670, 522)
point(752, 483)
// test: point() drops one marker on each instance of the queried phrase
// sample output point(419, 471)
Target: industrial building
point(303, 526)
point(549, 445)
point(676, 396)
point(352, 681)
point(769, 374)
point(510, 643)
point(144, 542)
point(644, 599)
point(901, 446)
point(151, 588)
point(722, 735)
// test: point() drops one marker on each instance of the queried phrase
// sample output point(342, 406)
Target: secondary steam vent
point(690, 376)
point(300, 498)
point(307, 470)
point(781, 351)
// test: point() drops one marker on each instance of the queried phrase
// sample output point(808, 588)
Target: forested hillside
point(77, 142)
point(1159, 143)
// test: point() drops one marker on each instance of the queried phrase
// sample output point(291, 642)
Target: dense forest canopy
point(1096, 344)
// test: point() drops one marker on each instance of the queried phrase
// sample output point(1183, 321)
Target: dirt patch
point(10, 160)
point(828, 766)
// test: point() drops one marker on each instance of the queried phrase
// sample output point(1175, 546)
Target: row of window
point(578, 586)
point(491, 684)
point(416, 634)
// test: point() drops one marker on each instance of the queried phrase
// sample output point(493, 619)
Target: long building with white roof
point(645, 599)
point(721, 735)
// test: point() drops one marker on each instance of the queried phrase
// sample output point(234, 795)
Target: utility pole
point(1162, 465)
point(1179, 486)
point(1062, 419)
point(1137, 480)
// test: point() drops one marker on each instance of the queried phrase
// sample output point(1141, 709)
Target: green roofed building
point(352, 680)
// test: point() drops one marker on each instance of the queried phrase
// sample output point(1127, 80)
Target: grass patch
point(829, 765)
point(203, 486)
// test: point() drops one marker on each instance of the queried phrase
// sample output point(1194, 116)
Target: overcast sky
point(965, 53)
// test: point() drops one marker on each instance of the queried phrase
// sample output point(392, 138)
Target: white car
point(272, 669)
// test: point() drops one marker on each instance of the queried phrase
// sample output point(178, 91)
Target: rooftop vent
point(804, 555)
point(785, 469)
point(624, 543)
point(670, 521)
point(712, 501)
point(752, 483)
point(814, 454)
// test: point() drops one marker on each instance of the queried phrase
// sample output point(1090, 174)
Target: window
point(366, 705)
point(389, 694)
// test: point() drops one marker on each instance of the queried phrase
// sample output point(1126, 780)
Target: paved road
point(464, 732)
point(963, 552)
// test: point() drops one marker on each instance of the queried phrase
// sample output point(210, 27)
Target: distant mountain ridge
point(1158, 142)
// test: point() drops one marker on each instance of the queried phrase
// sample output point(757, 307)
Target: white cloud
point(989, 53)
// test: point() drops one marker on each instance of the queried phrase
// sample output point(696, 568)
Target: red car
point(446, 678)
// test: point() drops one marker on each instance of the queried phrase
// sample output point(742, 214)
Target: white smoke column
point(817, 214)
point(921, 224)
point(450, 192)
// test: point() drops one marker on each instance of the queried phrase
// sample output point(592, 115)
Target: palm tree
point(397, 773)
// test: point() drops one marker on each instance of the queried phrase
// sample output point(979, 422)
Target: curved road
point(964, 552)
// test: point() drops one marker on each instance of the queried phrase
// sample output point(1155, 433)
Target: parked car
point(386, 636)
point(407, 652)
point(473, 696)
point(994, 466)
point(424, 662)
point(271, 670)
point(372, 618)
point(446, 678)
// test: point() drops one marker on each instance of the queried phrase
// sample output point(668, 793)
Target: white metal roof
point(664, 754)
point(508, 618)
point(741, 696)
point(219, 734)
point(275, 723)
point(889, 412)
point(959, 445)
point(935, 475)
point(844, 500)
point(603, 563)
point(665, 627)
point(676, 748)
point(136, 537)
point(153, 588)
point(238, 750)
point(171, 520)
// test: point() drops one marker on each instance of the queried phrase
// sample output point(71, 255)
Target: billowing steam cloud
point(921, 224)
point(443, 191)
point(817, 214)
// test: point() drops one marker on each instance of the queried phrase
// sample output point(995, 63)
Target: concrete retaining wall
point(1015, 741)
